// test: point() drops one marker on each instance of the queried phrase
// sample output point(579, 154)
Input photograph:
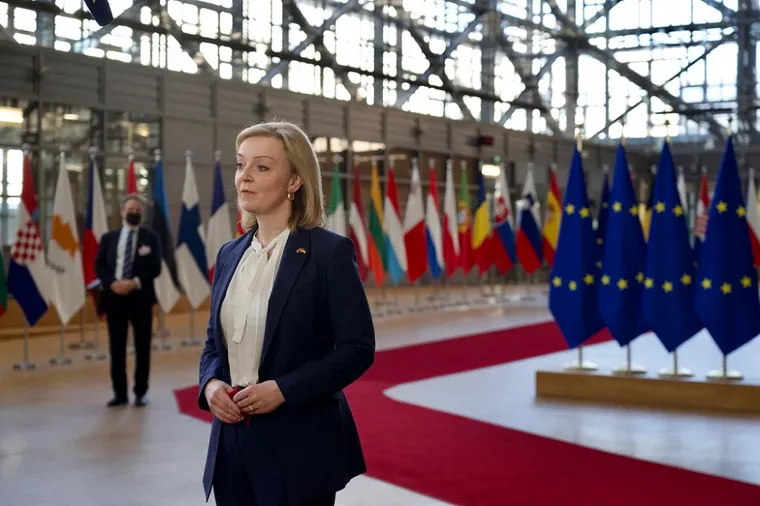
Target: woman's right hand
point(220, 402)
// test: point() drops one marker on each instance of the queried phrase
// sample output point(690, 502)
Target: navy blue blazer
point(319, 339)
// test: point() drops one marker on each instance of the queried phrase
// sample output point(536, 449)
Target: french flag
point(528, 242)
point(95, 225)
point(414, 229)
point(433, 229)
point(28, 275)
point(504, 239)
point(450, 224)
point(219, 224)
point(192, 267)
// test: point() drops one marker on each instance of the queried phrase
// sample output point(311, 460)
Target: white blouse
point(244, 308)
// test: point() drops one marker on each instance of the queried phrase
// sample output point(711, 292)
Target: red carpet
point(466, 462)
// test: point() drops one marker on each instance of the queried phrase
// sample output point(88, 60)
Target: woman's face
point(263, 177)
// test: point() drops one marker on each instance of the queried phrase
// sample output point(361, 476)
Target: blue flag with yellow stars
point(622, 276)
point(601, 221)
point(572, 291)
point(668, 298)
point(727, 297)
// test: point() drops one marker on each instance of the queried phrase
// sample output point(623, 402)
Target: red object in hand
point(232, 393)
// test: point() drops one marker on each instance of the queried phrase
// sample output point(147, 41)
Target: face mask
point(134, 218)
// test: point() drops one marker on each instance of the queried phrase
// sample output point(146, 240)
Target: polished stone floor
point(60, 445)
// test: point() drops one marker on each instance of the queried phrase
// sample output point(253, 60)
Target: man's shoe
point(141, 401)
point(117, 401)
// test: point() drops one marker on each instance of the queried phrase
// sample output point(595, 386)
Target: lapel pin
point(301, 250)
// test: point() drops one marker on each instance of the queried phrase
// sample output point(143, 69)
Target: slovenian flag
point(27, 271)
point(528, 242)
point(192, 267)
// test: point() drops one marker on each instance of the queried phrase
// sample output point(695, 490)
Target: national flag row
point(460, 238)
point(632, 279)
point(62, 277)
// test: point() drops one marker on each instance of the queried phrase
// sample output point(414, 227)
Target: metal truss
point(485, 24)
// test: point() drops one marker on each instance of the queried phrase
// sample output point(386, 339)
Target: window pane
point(14, 168)
point(14, 189)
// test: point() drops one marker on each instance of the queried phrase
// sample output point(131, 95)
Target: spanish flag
point(552, 219)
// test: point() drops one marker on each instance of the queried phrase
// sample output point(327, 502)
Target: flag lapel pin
point(301, 251)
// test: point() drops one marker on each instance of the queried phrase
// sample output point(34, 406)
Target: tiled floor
point(59, 445)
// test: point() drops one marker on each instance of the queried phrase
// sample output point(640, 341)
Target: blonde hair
point(308, 202)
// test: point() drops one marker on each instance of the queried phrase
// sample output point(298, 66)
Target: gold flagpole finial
point(667, 130)
point(730, 128)
point(579, 137)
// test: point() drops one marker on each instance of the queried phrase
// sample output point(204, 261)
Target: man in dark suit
point(129, 259)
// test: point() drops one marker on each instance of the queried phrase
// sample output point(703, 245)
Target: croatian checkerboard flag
point(192, 267)
point(28, 273)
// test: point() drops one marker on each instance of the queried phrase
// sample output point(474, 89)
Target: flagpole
point(96, 353)
point(191, 340)
point(724, 373)
point(162, 332)
point(25, 365)
point(580, 364)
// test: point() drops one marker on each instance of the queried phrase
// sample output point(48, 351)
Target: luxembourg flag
point(433, 228)
point(192, 268)
point(395, 248)
point(64, 258)
point(27, 272)
point(95, 226)
point(414, 229)
point(219, 224)
point(528, 242)
point(450, 224)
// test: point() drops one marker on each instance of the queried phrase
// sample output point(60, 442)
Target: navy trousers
point(240, 479)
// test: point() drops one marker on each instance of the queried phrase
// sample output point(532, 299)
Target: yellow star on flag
point(746, 282)
point(557, 281)
point(740, 211)
point(649, 283)
point(706, 284)
point(667, 286)
point(617, 207)
point(678, 210)
point(721, 207)
point(659, 207)
point(685, 279)
point(634, 210)
point(605, 280)
point(622, 284)
point(640, 277)
point(588, 279)
point(569, 209)
point(584, 212)
point(725, 288)
point(572, 285)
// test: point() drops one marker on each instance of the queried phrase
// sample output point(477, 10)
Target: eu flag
point(601, 220)
point(669, 274)
point(622, 275)
point(572, 291)
point(100, 10)
point(727, 297)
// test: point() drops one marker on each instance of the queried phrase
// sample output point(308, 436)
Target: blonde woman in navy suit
point(290, 328)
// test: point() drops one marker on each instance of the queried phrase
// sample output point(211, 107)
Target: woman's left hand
point(259, 399)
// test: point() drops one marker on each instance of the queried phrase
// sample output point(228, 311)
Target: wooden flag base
point(649, 391)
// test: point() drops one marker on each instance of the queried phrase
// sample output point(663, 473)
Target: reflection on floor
point(58, 441)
